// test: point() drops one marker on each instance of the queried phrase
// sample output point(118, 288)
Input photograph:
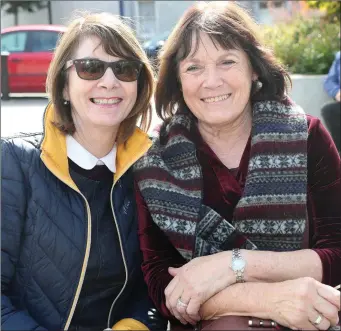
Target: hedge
point(304, 46)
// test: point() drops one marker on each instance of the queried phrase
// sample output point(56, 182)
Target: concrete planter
point(308, 92)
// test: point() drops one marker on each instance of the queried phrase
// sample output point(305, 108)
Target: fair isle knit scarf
point(271, 213)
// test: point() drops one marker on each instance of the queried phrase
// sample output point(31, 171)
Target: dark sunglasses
point(93, 69)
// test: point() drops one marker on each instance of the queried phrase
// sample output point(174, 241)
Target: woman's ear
point(254, 77)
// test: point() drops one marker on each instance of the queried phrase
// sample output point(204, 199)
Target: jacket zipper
point(123, 258)
point(122, 252)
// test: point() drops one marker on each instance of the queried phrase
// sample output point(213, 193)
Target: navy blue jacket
point(45, 238)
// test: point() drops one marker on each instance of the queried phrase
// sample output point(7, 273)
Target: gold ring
point(318, 320)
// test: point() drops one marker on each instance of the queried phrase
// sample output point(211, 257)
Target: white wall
point(168, 13)
point(61, 12)
point(40, 17)
point(308, 92)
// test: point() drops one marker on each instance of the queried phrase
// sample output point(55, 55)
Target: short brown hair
point(230, 26)
point(117, 39)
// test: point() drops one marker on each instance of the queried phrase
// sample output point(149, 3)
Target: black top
point(104, 277)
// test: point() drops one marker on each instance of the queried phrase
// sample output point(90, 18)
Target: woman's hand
point(298, 303)
point(196, 282)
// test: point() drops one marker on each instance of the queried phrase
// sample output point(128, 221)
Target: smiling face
point(216, 82)
point(102, 103)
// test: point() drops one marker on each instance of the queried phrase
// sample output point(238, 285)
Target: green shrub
point(304, 46)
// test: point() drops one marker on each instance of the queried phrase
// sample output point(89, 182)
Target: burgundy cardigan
point(222, 191)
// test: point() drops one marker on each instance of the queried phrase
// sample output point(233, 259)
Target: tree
point(332, 8)
point(13, 7)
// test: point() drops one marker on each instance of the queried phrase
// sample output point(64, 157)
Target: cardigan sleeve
point(158, 255)
point(324, 200)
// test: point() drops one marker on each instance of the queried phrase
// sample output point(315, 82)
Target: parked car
point(153, 45)
point(30, 50)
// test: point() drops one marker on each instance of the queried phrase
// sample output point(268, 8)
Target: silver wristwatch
point(238, 265)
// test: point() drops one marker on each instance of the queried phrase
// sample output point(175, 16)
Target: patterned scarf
point(271, 213)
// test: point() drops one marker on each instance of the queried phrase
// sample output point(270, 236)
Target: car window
point(43, 41)
point(14, 42)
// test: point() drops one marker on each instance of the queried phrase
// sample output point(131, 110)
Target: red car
point(31, 48)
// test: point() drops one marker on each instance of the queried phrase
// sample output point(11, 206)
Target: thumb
point(173, 271)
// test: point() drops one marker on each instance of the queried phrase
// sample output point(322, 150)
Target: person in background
point(70, 253)
point(239, 196)
point(331, 112)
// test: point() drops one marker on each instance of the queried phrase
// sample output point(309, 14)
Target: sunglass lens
point(127, 71)
point(90, 69)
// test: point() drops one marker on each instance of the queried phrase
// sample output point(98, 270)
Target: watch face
point(238, 264)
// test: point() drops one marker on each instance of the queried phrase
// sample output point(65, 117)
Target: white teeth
point(216, 99)
point(106, 101)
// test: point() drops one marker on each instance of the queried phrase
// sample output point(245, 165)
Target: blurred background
point(304, 36)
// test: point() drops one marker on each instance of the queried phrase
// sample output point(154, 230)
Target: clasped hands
point(302, 303)
point(193, 284)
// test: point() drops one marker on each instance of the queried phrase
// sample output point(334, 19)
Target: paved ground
point(26, 115)
point(22, 115)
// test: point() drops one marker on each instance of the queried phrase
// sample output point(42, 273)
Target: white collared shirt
point(83, 158)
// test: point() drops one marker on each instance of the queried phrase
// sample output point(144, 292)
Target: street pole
point(121, 7)
point(16, 16)
point(4, 76)
point(49, 9)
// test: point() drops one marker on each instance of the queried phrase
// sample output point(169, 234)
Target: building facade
point(148, 17)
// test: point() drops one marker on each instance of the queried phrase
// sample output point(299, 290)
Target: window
point(263, 4)
point(278, 3)
point(43, 41)
point(14, 42)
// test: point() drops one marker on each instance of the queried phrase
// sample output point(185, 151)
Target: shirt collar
point(83, 158)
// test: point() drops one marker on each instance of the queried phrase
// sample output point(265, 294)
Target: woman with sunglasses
point(70, 251)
